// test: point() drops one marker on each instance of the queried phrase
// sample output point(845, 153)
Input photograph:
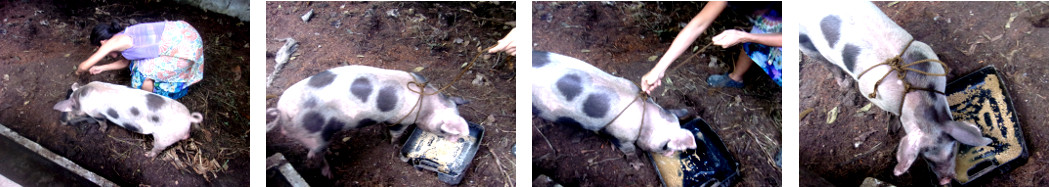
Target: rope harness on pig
point(422, 89)
point(896, 64)
point(641, 95)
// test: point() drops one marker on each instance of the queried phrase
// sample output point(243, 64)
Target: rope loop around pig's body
point(422, 88)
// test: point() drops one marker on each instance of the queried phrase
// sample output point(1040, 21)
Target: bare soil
point(967, 36)
point(401, 36)
point(41, 42)
point(619, 37)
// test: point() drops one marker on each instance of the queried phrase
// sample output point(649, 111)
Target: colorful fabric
point(173, 90)
point(145, 40)
point(768, 58)
point(178, 65)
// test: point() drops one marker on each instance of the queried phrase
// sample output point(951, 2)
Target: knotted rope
point(896, 64)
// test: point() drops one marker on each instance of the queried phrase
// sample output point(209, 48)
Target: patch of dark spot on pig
point(831, 26)
point(540, 59)
point(806, 42)
point(397, 127)
point(313, 121)
point(667, 115)
point(154, 102)
point(387, 99)
point(154, 119)
point(113, 113)
point(916, 79)
point(366, 122)
point(570, 86)
point(132, 127)
point(361, 88)
point(849, 55)
point(567, 121)
point(447, 101)
point(914, 56)
point(535, 111)
point(310, 103)
point(134, 111)
point(333, 126)
point(596, 105)
point(84, 90)
point(321, 79)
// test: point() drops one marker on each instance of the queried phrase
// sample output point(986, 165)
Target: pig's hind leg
point(161, 142)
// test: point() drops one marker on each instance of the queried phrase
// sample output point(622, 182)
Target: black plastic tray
point(981, 98)
point(710, 164)
point(424, 151)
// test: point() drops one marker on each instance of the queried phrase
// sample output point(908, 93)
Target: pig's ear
point(684, 140)
point(458, 100)
point(681, 113)
point(64, 106)
point(418, 77)
point(457, 126)
point(966, 133)
point(907, 152)
point(449, 128)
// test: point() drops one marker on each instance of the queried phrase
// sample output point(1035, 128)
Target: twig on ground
point(509, 182)
point(544, 138)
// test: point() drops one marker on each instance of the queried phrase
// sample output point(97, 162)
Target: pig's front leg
point(396, 131)
point(102, 126)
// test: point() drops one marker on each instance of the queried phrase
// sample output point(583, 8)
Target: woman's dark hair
point(104, 31)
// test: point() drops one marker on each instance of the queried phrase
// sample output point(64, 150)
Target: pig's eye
point(444, 132)
point(666, 146)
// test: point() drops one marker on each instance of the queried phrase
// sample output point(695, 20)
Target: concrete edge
point(91, 176)
point(277, 160)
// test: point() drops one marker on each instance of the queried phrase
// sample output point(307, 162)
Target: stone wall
point(234, 8)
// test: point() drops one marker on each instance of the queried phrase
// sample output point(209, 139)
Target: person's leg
point(147, 85)
point(743, 63)
point(732, 79)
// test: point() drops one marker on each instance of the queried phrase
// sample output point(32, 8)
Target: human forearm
point(769, 39)
point(119, 64)
point(91, 61)
point(689, 34)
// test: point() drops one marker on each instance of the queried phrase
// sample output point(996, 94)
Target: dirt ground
point(41, 42)
point(620, 37)
point(439, 37)
point(967, 36)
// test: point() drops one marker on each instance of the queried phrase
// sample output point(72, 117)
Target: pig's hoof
point(151, 154)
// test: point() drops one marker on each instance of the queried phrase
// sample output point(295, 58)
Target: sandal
point(721, 81)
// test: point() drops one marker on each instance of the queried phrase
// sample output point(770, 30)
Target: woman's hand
point(731, 37)
point(651, 80)
point(121, 63)
point(508, 44)
point(97, 69)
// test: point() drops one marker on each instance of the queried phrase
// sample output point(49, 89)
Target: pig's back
point(575, 90)
point(352, 91)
